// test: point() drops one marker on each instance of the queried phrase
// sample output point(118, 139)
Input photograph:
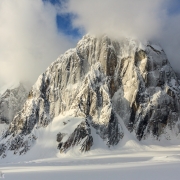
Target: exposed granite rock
point(81, 135)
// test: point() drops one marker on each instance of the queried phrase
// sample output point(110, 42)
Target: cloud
point(142, 19)
point(136, 18)
point(29, 39)
point(170, 40)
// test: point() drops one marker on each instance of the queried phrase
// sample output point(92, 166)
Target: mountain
point(12, 98)
point(106, 86)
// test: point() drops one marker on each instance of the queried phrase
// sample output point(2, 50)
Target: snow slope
point(46, 144)
point(157, 163)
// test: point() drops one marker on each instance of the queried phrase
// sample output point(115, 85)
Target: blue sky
point(64, 22)
point(175, 7)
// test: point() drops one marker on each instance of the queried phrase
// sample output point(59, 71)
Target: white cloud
point(137, 18)
point(142, 19)
point(29, 39)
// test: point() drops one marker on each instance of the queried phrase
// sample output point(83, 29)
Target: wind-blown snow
point(11, 85)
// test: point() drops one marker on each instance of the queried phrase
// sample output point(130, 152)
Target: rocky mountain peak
point(106, 82)
point(12, 98)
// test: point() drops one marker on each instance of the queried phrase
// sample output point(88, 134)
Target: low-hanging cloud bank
point(29, 39)
point(142, 19)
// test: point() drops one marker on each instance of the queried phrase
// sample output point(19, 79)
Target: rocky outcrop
point(100, 80)
point(81, 133)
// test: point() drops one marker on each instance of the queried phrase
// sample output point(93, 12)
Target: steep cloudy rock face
point(11, 101)
point(12, 98)
point(101, 80)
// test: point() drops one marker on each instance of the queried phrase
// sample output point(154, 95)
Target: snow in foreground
point(131, 160)
point(157, 163)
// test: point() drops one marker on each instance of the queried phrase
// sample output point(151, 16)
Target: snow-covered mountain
point(12, 98)
point(106, 86)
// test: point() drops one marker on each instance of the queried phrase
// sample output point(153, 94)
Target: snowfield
point(130, 160)
point(159, 163)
